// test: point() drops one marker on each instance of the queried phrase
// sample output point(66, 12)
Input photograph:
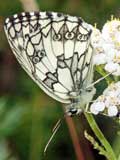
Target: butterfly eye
point(89, 89)
point(36, 59)
point(57, 37)
point(69, 35)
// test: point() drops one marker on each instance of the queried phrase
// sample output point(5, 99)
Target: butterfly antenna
point(54, 131)
point(56, 125)
point(102, 78)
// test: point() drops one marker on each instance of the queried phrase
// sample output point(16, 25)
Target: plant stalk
point(75, 139)
point(100, 136)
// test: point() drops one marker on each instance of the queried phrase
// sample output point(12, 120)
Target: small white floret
point(99, 59)
point(113, 67)
point(109, 30)
point(100, 106)
point(93, 109)
point(112, 111)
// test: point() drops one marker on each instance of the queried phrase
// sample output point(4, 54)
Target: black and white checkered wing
point(54, 49)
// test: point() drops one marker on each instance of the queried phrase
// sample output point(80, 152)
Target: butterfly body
point(79, 103)
point(55, 50)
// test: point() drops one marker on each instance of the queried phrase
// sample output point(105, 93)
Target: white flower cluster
point(106, 45)
point(109, 102)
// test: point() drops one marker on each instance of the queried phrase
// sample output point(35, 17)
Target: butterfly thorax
point(78, 103)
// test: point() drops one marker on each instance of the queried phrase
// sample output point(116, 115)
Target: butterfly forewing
point(54, 49)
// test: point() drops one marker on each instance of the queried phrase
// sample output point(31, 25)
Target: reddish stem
point(75, 139)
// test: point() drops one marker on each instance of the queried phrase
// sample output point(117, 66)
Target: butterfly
point(55, 50)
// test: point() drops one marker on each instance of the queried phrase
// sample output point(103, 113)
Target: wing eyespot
point(82, 37)
point(36, 59)
point(57, 37)
point(79, 37)
point(41, 53)
point(69, 35)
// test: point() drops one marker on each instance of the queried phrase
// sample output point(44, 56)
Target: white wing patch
point(54, 49)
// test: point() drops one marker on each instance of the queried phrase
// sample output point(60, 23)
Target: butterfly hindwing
point(54, 49)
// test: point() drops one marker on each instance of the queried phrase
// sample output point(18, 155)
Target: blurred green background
point(27, 115)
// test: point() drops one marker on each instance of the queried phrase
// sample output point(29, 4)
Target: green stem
point(100, 136)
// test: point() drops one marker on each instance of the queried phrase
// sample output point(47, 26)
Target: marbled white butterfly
point(55, 50)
